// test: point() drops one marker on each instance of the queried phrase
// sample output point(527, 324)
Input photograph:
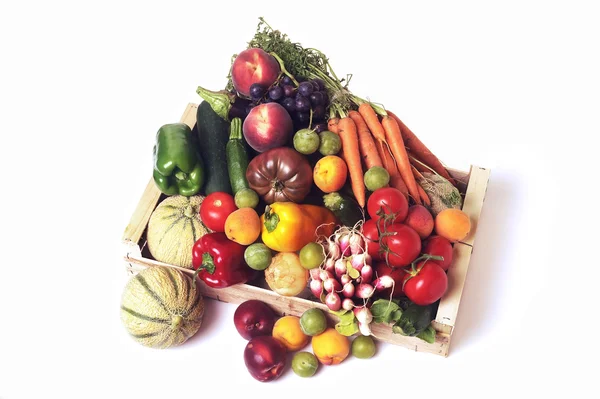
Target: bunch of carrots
point(384, 140)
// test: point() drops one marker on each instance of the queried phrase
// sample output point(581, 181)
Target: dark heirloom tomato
point(280, 175)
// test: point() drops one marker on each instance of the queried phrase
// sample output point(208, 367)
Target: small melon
point(174, 227)
point(161, 307)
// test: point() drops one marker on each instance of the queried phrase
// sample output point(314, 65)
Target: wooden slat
point(141, 215)
point(292, 306)
point(457, 273)
point(474, 198)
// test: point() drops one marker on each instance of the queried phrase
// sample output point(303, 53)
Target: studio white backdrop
point(511, 86)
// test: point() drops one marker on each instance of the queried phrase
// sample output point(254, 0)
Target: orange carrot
point(366, 144)
point(420, 150)
point(389, 165)
point(422, 193)
point(349, 136)
point(394, 139)
point(370, 117)
point(332, 125)
point(424, 196)
point(418, 164)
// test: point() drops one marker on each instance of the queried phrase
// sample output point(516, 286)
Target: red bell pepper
point(219, 262)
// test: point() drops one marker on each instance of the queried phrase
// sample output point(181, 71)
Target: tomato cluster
point(401, 253)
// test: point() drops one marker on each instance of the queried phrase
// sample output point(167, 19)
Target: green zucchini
point(344, 208)
point(237, 157)
point(414, 320)
point(213, 136)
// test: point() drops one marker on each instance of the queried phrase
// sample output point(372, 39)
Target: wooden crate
point(472, 183)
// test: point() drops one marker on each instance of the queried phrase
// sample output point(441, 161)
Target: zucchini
point(414, 320)
point(213, 135)
point(345, 208)
point(237, 157)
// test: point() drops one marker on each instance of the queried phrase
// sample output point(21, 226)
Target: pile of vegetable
point(306, 185)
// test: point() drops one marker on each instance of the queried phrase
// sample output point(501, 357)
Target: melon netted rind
point(174, 227)
point(441, 193)
point(162, 307)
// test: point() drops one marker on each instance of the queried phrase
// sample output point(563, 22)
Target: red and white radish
point(315, 273)
point(340, 267)
point(333, 301)
point(356, 244)
point(344, 242)
point(383, 282)
point(332, 285)
point(348, 290)
point(316, 287)
point(347, 304)
point(366, 274)
point(364, 290)
point(364, 317)
point(333, 250)
point(325, 274)
point(330, 265)
point(345, 279)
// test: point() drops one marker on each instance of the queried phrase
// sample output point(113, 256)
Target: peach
point(251, 66)
point(453, 224)
point(288, 331)
point(331, 347)
point(267, 126)
point(421, 220)
point(330, 173)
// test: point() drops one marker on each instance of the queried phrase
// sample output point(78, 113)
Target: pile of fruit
point(290, 178)
point(271, 338)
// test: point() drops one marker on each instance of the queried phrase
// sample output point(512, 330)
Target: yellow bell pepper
point(287, 226)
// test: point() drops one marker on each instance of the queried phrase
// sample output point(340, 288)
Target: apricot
point(452, 224)
point(330, 173)
point(421, 220)
point(243, 226)
point(331, 347)
point(288, 331)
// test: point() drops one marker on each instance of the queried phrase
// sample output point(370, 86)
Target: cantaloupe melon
point(174, 227)
point(161, 307)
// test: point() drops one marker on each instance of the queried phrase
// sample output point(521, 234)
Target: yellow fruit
point(331, 347)
point(243, 226)
point(452, 224)
point(288, 331)
point(330, 173)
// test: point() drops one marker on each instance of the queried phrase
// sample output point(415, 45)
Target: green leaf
point(347, 329)
point(396, 329)
point(395, 316)
point(348, 325)
point(382, 311)
point(352, 272)
point(428, 334)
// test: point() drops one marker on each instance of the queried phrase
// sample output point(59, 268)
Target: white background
point(84, 86)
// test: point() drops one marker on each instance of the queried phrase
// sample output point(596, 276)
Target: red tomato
point(428, 285)
point(389, 201)
point(215, 208)
point(372, 235)
point(439, 246)
point(401, 243)
point(397, 273)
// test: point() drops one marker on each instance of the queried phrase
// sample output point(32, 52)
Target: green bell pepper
point(178, 166)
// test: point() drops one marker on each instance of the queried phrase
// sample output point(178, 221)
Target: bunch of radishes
point(345, 278)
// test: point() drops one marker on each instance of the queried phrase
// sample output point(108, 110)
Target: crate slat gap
point(473, 185)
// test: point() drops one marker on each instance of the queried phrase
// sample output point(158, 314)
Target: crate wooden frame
point(474, 186)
